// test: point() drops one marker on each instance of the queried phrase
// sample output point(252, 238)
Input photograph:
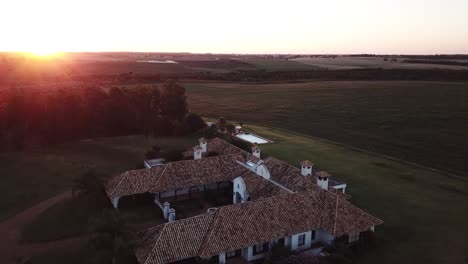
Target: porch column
point(115, 201)
point(222, 258)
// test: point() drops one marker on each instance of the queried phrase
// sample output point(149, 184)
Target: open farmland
point(278, 64)
point(348, 63)
point(422, 122)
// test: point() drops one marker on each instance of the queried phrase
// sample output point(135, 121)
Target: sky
point(236, 26)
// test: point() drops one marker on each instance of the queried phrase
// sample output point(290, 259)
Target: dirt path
point(11, 251)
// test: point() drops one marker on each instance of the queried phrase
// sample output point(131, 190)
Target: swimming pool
point(252, 138)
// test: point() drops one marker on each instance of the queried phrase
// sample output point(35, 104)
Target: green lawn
point(425, 213)
point(30, 177)
point(65, 219)
point(422, 122)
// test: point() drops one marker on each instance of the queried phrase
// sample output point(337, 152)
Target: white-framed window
point(301, 240)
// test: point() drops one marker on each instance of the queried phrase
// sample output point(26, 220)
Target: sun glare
point(45, 53)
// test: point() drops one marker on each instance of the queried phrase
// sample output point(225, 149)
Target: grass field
point(65, 219)
point(346, 63)
point(28, 178)
point(279, 65)
point(423, 122)
point(424, 212)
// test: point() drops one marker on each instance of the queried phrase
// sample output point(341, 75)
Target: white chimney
point(256, 150)
point(203, 144)
point(306, 168)
point(172, 215)
point(166, 207)
point(322, 179)
point(197, 152)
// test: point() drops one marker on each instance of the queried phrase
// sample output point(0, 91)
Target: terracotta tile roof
point(222, 148)
point(307, 163)
point(133, 182)
point(291, 177)
point(259, 188)
point(172, 241)
point(174, 175)
point(323, 174)
point(340, 217)
point(288, 175)
point(241, 225)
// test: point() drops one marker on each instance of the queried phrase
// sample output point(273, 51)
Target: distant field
point(347, 63)
point(422, 122)
point(279, 64)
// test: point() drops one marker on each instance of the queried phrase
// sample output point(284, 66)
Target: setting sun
point(45, 53)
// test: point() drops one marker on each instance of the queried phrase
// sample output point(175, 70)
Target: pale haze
point(336, 26)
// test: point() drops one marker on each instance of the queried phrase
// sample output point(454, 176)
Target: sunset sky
point(241, 26)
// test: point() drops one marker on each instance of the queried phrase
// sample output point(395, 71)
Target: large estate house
point(272, 203)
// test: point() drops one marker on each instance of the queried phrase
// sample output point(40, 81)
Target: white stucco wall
point(295, 241)
point(240, 187)
point(262, 170)
point(324, 237)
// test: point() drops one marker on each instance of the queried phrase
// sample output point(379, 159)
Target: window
point(230, 254)
point(313, 234)
point(260, 248)
point(353, 238)
point(301, 240)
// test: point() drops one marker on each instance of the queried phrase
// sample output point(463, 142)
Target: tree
point(89, 186)
point(194, 122)
point(173, 101)
point(230, 129)
point(154, 152)
point(211, 132)
point(110, 235)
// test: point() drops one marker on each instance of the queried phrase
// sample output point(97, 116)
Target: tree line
point(40, 116)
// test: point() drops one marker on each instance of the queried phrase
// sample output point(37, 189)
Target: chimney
point(256, 150)
point(172, 215)
point(202, 144)
point(197, 152)
point(306, 168)
point(322, 179)
point(166, 207)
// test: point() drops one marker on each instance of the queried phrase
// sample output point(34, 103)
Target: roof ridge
point(120, 182)
point(208, 232)
point(232, 145)
point(188, 160)
point(290, 165)
point(155, 244)
point(336, 215)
